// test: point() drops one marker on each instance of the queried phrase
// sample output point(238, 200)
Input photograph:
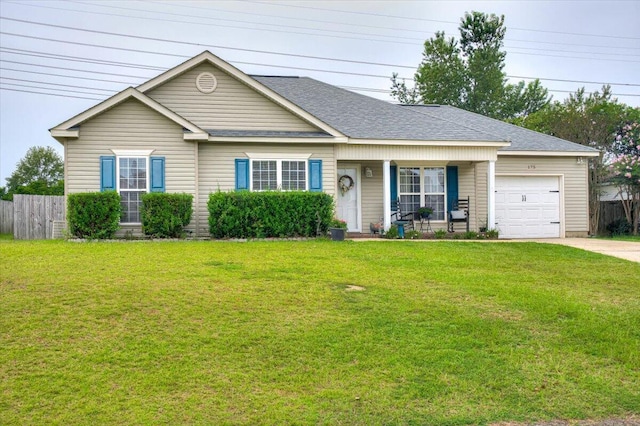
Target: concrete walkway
point(623, 249)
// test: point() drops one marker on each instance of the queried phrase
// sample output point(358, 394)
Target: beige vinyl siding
point(417, 153)
point(467, 188)
point(573, 185)
point(129, 126)
point(216, 168)
point(233, 105)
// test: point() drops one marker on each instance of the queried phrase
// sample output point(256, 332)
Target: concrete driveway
point(623, 249)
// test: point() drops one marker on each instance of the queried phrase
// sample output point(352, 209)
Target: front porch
point(366, 192)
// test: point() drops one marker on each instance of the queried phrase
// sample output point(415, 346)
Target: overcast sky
point(43, 49)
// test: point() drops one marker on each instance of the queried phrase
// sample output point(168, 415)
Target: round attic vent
point(206, 82)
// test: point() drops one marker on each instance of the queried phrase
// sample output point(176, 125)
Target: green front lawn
point(272, 333)
point(630, 238)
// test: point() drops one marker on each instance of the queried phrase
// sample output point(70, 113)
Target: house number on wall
point(531, 167)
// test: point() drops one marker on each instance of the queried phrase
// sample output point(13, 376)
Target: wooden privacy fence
point(610, 211)
point(6, 217)
point(36, 216)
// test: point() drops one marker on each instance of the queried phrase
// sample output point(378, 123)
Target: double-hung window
point(434, 187)
point(287, 175)
point(422, 187)
point(409, 189)
point(132, 183)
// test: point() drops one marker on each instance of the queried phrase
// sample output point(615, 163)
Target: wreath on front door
point(345, 183)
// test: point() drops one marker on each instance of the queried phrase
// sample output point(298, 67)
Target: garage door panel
point(528, 206)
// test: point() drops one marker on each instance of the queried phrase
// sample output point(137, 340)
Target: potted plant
point(425, 212)
point(338, 229)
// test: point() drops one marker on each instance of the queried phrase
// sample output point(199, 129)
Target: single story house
point(205, 126)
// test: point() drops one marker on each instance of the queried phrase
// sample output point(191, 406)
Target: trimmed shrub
point(245, 214)
point(93, 215)
point(165, 215)
point(392, 233)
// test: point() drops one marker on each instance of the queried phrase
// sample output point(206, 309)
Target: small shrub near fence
point(166, 215)
point(94, 215)
point(269, 214)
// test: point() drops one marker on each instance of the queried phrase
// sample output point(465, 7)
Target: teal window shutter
point(157, 174)
point(242, 173)
point(315, 175)
point(452, 186)
point(394, 183)
point(107, 173)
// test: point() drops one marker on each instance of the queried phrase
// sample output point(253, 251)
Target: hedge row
point(165, 215)
point(269, 214)
point(94, 215)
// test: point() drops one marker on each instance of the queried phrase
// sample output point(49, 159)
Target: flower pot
point(337, 234)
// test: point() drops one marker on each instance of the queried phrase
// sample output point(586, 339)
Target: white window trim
point(279, 161)
point(422, 191)
point(131, 154)
point(273, 156)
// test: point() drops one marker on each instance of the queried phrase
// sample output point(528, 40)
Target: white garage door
point(528, 206)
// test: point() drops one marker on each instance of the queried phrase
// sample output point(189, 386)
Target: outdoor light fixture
point(580, 160)
point(368, 172)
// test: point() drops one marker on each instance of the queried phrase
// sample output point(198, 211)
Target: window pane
point(409, 203)
point(294, 177)
point(133, 173)
point(434, 180)
point(436, 202)
point(264, 175)
point(133, 183)
point(130, 201)
point(410, 180)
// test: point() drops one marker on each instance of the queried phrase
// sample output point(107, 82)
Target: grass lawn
point(630, 238)
point(446, 333)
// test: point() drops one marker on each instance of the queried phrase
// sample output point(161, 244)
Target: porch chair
point(401, 220)
point(459, 213)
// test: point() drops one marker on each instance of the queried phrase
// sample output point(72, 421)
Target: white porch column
point(386, 194)
point(491, 195)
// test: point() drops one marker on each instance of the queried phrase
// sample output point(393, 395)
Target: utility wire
point(31, 86)
point(50, 94)
point(433, 20)
point(97, 61)
point(62, 75)
point(57, 84)
point(352, 88)
point(209, 46)
point(261, 15)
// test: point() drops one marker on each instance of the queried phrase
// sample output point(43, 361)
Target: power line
point(64, 76)
point(73, 69)
point(57, 84)
point(97, 61)
point(244, 28)
point(49, 88)
point(50, 94)
point(352, 88)
point(36, 54)
point(203, 45)
point(443, 22)
point(351, 24)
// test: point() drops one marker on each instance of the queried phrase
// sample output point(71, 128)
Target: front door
point(347, 194)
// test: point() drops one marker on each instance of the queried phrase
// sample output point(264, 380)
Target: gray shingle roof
point(363, 117)
point(521, 139)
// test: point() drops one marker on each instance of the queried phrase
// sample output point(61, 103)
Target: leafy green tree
point(41, 171)
point(469, 74)
point(589, 120)
point(625, 167)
